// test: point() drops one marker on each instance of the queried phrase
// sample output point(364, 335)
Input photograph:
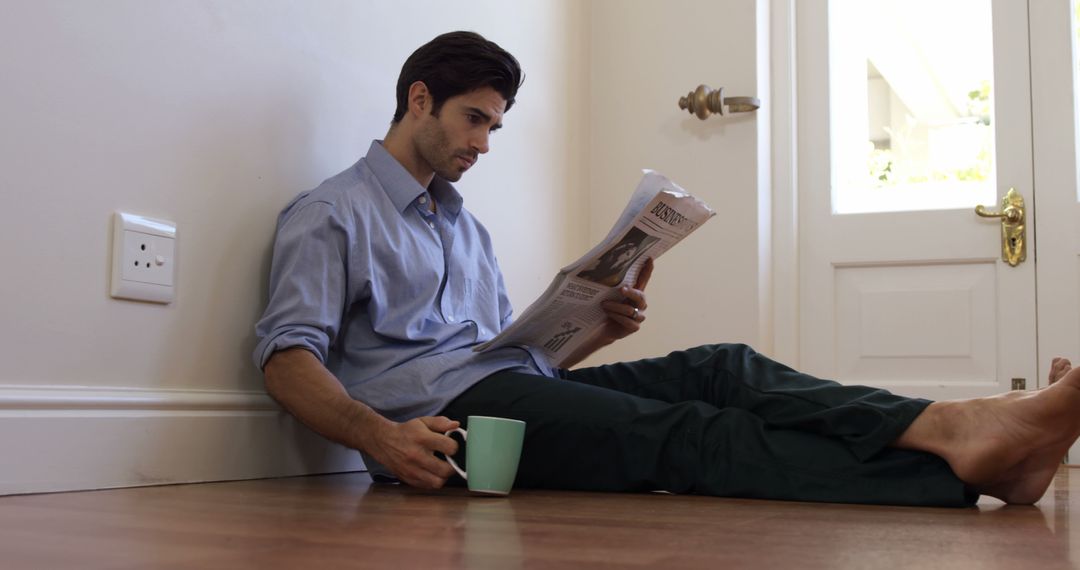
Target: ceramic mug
point(492, 451)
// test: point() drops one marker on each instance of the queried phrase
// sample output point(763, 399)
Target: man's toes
point(1064, 371)
point(1055, 370)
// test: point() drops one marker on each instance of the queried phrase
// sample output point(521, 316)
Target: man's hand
point(626, 317)
point(300, 382)
point(408, 450)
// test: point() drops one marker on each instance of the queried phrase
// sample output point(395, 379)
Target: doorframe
point(785, 188)
point(1052, 102)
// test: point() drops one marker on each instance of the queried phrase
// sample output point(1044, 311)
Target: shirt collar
point(403, 189)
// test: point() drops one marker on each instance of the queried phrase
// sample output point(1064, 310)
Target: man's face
point(452, 142)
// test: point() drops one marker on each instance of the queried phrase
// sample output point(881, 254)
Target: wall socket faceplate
point(144, 258)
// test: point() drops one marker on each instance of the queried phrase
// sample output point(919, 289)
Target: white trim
point(113, 398)
point(764, 223)
point(785, 197)
point(1055, 146)
point(59, 438)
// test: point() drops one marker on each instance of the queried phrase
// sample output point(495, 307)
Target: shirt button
point(450, 318)
point(423, 199)
point(431, 225)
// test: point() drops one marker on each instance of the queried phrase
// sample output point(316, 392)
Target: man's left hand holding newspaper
point(624, 318)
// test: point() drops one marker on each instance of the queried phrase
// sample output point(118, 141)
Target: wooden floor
point(346, 521)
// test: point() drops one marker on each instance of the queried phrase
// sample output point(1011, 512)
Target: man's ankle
point(928, 431)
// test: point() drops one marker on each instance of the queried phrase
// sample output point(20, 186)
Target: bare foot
point(1008, 446)
point(1058, 368)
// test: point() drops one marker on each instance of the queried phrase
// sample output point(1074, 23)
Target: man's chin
point(451, 175)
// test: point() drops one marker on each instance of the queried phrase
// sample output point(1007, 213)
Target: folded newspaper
point(569, 312)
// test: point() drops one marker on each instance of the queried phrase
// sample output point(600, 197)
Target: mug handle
point(464, 437)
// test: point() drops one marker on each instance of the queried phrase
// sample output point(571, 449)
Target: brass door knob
point(704, 101)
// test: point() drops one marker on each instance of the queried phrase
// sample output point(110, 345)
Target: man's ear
point(419, 99)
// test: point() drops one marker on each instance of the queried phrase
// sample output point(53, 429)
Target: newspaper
point(569, 312)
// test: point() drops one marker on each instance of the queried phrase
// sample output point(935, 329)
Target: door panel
point(894, 322)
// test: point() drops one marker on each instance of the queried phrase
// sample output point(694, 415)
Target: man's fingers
point(421, 468)
point(635, 298)
point(444, 444)
point(433, 438)
point(1058, 368)
point(645, 275)
point(623, 315)
point(418, 441)
point(435, 466)
point(441, 424)
point(628, 324)
point(424, 479)
point(623, 311)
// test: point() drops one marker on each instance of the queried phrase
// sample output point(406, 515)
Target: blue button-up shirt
point(390, 296)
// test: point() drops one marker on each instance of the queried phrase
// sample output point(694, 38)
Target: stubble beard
point(434, 147)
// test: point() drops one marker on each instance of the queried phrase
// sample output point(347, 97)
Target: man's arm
point(300, 383)
point(624, 318)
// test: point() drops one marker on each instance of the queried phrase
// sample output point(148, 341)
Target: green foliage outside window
point(883, 164)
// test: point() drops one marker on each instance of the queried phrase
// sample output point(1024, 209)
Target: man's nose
point(480, 142)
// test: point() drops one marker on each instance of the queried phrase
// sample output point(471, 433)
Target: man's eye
point(474, 119)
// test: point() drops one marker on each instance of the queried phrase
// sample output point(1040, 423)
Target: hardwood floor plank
point(346, 521)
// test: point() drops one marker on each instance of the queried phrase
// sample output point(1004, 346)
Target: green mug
point(492, 451)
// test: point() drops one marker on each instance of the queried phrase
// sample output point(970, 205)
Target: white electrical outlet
point(144, 258)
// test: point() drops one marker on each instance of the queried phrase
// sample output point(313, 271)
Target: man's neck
point(398, 144)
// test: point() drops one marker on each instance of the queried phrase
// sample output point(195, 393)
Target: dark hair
point(456, 63)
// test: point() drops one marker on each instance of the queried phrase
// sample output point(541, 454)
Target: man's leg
point(591, 438)
point(1007, 446)
point(735, 376)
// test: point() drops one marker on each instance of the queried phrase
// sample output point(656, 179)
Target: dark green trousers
point(719, 420)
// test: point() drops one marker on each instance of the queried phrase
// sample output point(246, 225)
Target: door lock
point(1013, 227)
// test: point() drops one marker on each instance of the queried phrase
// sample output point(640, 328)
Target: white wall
point(214, 115)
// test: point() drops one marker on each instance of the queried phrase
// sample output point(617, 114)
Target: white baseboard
point(78, 438)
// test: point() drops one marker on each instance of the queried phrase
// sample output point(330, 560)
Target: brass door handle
point(1013, 226)
point(703, 101)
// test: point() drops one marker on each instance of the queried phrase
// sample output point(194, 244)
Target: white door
point(901, 285)
point(1053, 80)
point(643, 56)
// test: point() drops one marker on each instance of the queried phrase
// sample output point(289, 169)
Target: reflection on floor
point(346, 521)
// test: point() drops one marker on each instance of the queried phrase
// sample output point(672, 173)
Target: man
point(382, 283)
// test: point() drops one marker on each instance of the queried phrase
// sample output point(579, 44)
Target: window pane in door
point(911, 105)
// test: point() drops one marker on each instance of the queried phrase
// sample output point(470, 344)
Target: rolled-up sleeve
point(308, 281)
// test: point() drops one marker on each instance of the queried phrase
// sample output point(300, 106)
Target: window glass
point(911, 104)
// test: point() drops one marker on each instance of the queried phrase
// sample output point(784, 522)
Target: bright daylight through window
point(911, 105)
